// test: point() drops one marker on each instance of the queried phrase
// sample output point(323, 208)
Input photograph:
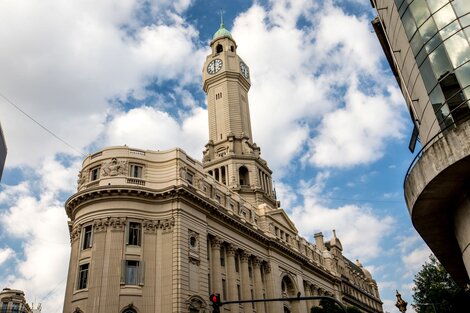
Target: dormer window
point(219, 48)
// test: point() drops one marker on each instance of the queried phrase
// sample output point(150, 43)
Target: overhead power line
point(42, 126)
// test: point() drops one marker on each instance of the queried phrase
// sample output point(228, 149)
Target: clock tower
point(231, 157)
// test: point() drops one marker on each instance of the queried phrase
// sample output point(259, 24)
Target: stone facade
point(13, 301)
point(427, 46)
point(157, 231)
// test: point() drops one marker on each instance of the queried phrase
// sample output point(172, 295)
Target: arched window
point(219, 48)
point(244, 176)
point(130, 310)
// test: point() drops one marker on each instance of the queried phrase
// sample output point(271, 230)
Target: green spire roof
point(222, 32)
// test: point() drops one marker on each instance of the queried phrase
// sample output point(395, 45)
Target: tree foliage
point(435, 287)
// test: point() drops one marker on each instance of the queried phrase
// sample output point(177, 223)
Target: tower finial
point(221, 13)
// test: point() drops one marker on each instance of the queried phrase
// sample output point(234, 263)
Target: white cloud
point(359, 228)
point(72, 58)
point(149, 128)
point(5, 254)
point(414, 260)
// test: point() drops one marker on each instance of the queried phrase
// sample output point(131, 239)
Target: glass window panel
point(463, 75)
point(449, 30)
point(409, 24)
point(428, 29)
point(437, 97)
point(421, 56)
point(444, 16)
point(458, 49)
point(465, 20)
point(435, 5)
point(433, 43)
point(416, 43)
point(440, 62)
point(420, 11)
point(428, 75)
point(461, 6)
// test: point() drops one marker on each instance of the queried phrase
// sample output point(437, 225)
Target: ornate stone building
point(158, 231)
point(427, 44)
point(13, 301)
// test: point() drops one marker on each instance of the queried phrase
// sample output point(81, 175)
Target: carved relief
point(114, 168)
point(216, 242)
point(117, 223)
point(100, 225)
point(193, 260)
point(267, 267)
point(75, 234)
point(82, 178)
point(167, 225)
point(150, 226)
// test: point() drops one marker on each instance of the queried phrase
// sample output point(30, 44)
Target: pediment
point(280, 216)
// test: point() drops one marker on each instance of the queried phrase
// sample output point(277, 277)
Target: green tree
point(434, 286)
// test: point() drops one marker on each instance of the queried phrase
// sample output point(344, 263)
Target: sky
point(325, 110)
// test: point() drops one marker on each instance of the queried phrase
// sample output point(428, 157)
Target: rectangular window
point(252, 297)
point(237, 264)
point(222, 256)
point(132, 272)
point(87, 232)
point(250, 270)
point(224, 289)
point(134, 234)
point(4, 307)
point(15, 308)
point(95, 173)
point(238, 292)
point(83, 276)
point(136, 170)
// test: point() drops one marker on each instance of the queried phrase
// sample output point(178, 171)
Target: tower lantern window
point(219, 48)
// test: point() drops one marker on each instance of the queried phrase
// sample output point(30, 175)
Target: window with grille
point(134, 234)
point(83, 276)
point(87, 233)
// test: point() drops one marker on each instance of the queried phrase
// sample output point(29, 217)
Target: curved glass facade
point(438, 32)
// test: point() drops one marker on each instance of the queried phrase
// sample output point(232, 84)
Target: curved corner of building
point(436, 193)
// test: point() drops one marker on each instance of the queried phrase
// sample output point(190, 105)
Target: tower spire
point(221, 13)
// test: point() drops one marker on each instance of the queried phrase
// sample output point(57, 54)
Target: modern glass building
point(426, 43)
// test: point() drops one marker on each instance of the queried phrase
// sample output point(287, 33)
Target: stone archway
point(289, 289)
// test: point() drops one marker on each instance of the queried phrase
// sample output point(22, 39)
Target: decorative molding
point(100, 225)
point(117, 223)
point(231, 250)
point(76, 231)
point(244, 256)
point(267, 267)
point(216, 242)
point(82, 178)
point(256, 262)
point(114, 168)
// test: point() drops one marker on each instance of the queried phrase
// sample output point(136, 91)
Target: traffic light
point(215, 299)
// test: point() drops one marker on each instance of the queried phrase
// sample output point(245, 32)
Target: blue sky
point(325, 110)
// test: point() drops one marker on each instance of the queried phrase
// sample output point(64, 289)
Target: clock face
point(244, 70)
point(214, 66)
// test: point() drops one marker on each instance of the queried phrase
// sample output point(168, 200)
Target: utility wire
point(42, 126)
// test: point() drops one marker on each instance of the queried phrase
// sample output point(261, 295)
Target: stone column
point(216, 268)
point(270, 290)
point(258, 285)
point(308, 294)
point(232, 277)
point(246, 290)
